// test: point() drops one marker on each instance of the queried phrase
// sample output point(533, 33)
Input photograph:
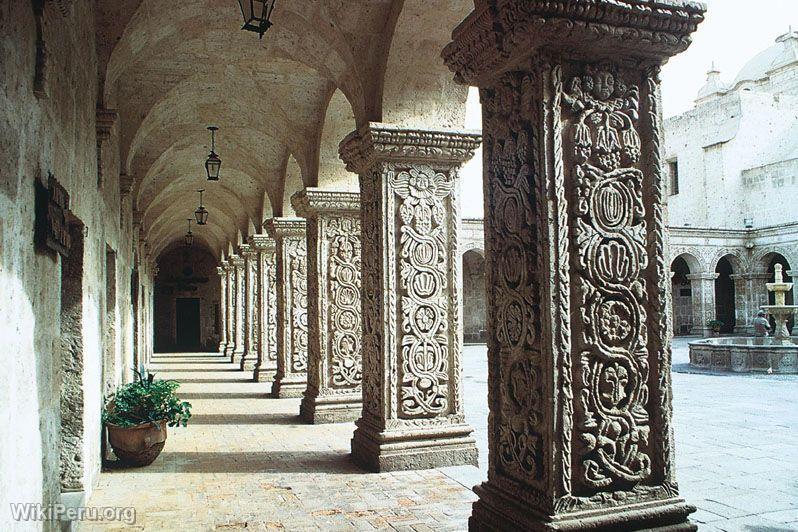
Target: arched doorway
point(682, 297)
point(725, 296)
point(187, 293)
point(474, 304)
point(771, 260)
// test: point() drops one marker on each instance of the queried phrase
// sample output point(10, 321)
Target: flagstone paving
point(247, 461)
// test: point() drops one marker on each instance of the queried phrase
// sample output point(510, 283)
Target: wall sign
point(52, 216)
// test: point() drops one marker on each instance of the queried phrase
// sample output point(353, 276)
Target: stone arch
point(762, 258)
point(474, 296)
point(734, 257)
point(339, 121)
point(725, 291)
point(418, 90)
point(293, 183)
point(682, 292)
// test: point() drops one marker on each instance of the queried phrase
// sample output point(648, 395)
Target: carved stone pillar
point(248, 358)
point(579, 359)
point(230, 305)
point(412, 321)
point(237, 277)
point(334, 391)
point(222, 308)
point(703, 288)
point(292, 306)
point(266, 308)
point(749, 294)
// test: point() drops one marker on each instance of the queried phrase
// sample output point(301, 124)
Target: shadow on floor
point(232, 395)
point(245, 419)
point(214, 381)
point(250, 462)
point(184, 361)
point(198, 370)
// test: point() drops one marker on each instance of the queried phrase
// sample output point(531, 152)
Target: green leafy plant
point(147, 399)
point(715, 325)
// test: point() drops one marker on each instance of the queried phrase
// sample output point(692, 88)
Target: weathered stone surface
point(334, 392)
point(579, 356)
point(266, 303)
point(291, 378)
point(412, 318)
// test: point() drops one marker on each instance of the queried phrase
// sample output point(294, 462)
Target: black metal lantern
point(213, 163)
point(201, 214)
point(189, 238)
point(256, 15)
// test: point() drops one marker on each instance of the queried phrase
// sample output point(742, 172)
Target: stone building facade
point(732, 164)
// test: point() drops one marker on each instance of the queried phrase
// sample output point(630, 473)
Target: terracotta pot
point(139, 445)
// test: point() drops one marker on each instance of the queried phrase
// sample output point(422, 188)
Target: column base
point(289, 387)
point(411, 448)
point(498, 511)
point(237, 357)
point(223, 348)
point(339, 408)
point(263, 375)
point(248, 364)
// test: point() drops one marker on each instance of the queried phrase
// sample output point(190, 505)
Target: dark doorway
point(187, 322)
point(724, 296)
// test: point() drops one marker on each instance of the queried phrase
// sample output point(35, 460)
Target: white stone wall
point(53, 133)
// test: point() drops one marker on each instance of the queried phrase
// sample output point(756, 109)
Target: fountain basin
point(746, 355)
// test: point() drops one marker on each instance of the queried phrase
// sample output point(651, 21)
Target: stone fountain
point(776, 354)
point(780, 311)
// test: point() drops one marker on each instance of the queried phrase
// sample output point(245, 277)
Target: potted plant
point(715, 325)
point(137, 414)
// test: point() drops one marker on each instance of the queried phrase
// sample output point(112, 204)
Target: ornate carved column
point(237, 277)
point(230, 304)
point(292, 306)
point(250, 312)
point(334, 391)
point(703, 287)
point(222, 308)
point(579, 359)
point(412, 321)
point(266, 305)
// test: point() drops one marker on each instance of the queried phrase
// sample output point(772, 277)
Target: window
point(673, 174)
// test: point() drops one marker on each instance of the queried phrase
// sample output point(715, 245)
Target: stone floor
point(247, 462)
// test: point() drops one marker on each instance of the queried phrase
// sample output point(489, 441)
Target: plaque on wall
point(52, 216)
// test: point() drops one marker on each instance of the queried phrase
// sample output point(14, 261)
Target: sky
point(733, 33)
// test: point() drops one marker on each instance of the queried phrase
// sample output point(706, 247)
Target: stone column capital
point(244, 250)
point(261, 243)
point(499, 36)
point(705, 276)
point(792, 273)
point(220, 270)
point(285, 227)
point(311, 202)
point(376, 141)
point(749, 276)
point(236, 261)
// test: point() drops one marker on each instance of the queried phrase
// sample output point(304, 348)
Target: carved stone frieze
point(222, 307)
point(334, 308)
point(576, 266)
point(237, 306)
point(265, 301)
point(412, 331)
point(292, 306)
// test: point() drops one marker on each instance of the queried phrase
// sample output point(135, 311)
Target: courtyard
point(248, 462)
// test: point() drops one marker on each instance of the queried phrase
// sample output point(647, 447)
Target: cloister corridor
point(247, 461)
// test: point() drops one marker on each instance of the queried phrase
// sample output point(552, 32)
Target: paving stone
point(245, 461)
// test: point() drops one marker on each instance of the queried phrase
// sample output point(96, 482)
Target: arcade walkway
point(246, 462)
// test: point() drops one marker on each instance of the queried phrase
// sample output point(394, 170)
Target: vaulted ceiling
point(282, 104)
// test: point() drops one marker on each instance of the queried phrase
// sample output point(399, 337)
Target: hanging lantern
point(201, 214)
point(213, 163)
point(189, 238)
point(256, 15)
